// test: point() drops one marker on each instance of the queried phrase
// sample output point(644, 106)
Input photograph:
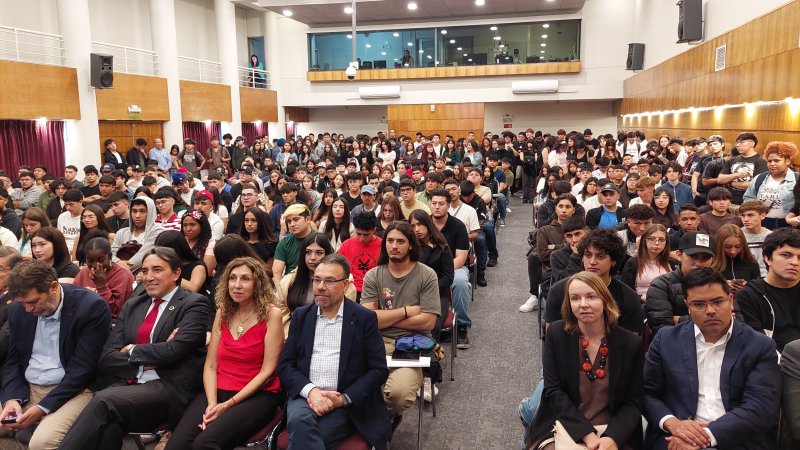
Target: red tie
point(143, 335)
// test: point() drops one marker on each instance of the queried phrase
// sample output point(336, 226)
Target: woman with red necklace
point(593, 373)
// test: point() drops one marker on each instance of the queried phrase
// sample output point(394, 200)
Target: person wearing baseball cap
point(610, 213)
point(368, 196)
point(665, 305)
point(204, 201)
point(591, 143)
point(297, 218)
point(107, 168)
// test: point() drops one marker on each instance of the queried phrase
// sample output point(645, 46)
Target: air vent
point(720, 58)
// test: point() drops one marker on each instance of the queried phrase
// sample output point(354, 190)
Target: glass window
point(520, 43)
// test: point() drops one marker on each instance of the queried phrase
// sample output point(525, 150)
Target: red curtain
point(250, 130)
point(32, 143)
point(201, 132)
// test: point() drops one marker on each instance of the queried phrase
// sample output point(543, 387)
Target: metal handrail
point(255, 78)
point(17, 42)
point(124, 56)
point(196, 69)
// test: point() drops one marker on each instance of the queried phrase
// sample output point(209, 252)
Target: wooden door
point(125, 133)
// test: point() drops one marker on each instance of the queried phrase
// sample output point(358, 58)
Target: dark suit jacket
point(561, 397)
point(179, 362)
point(109, 158)
point(750, 384)
point(362, 366)
point(85, 325)
point(594, 214)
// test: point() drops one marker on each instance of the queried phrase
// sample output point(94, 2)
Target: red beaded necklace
point(600, 371)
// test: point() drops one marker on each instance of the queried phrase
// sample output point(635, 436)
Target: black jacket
point(762, 311)
point(547, 212)
point(665, 300)
point(563, 263)
point(593, 217)
point(562, 396)
point(109, 158)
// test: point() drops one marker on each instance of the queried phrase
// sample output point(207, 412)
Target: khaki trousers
point(400, 389)
point(53, 427)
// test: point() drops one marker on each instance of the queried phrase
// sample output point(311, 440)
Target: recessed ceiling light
point(369, 45)
point(437, 62)
point(547, 25)
point(430, 57)
point(466, 54)
point(470, 60)
point(544, 36)
point(540, 51)
point(480, 2)
point(288, 12)
point(459, 48)
point(396, 34)
point(544, 45)
point(410, 44)
point(452, 41)
point(421, 51)
point(348, 10)
point(497, 38)
point(550, 1)
point(501, 45)
point(383, 53)
point(443, 31)
point(349, 36)
point(493, 28)
point(412, 6)
point(395, 59)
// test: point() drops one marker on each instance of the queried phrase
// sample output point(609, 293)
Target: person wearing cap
point(288, 197)
point(183, 187)
point(665, 298)
point(609, 214)
point(204, 201)
point(298, 224)
point(592, 144)
point(369, 194)
point(112, 156)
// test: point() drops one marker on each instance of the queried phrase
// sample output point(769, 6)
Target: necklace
point(240, 328)
point(600, 371)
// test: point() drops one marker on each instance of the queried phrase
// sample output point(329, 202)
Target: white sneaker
point(427, 385)
point(508, 210)
point(532, 304)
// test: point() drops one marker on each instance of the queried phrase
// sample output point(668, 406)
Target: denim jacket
point(786, 190)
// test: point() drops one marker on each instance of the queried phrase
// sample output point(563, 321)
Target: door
point(125, 133)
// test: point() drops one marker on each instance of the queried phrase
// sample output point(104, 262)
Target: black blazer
point(362, 366)
point(594, 214)
point(85, 325)
point(179, 362)
point(561, 396)
point(109, 158)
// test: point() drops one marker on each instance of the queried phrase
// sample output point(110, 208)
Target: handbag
point(564, 441)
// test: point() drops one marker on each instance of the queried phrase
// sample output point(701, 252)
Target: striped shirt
point(324, 370)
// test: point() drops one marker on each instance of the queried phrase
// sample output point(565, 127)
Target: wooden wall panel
point(205, 101)
point(258, 104)
point(455, 119)
point(296, 114)
point(449, 71)
point(31, 91)
point(150, 93)
point(126, 132)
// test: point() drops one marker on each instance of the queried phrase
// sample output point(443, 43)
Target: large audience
point(203, 294)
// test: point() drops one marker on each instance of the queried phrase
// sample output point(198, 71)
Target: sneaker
point(481, 280)
point(492, 262)
point(502, 222)
point(427, 385)
point(508, 210)
point(532, 304)
point(463, 340)
point(445, 336)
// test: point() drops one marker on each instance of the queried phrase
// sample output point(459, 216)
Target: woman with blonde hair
point(593, 374)
point(241, 386)
point(733, 257)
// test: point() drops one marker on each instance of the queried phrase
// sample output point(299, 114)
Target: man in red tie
point(152, 362)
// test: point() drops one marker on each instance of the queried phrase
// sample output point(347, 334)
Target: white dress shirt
point(143, 376)
point(324, 370)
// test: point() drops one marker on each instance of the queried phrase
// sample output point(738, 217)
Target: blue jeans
point(460, 290)
point(502, 204)
point(528, 407)
point(307, 431)
point(481, 252)
point(491, 238)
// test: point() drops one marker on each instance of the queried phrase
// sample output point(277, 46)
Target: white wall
point(720, 16)
point(35, 15)
point(121, 22)
point(241, 37)
point(347, 120)
point(197, 29)
point(550, 116)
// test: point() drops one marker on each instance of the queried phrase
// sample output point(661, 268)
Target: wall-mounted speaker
point(635, 56)
point(102, 71)
point(690, 20)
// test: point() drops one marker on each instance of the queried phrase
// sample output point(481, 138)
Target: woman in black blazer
point(591, 367)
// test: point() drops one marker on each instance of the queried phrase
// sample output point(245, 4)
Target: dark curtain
point(32, 143)
point(250, 130)
point(201, 133)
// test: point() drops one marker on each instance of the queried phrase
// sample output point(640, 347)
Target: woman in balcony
point(408, 60)
point(256, 77)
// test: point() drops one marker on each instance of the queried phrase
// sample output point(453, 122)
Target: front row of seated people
point(71, 380)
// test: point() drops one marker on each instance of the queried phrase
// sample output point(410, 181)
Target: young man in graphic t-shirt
point(741, 169)
point(752, 212)
point(69, 222)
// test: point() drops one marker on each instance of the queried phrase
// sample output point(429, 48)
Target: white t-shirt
point(755, 242)
point(770, 196)
point(217, 227)
point(467, 215)
point(70, 227)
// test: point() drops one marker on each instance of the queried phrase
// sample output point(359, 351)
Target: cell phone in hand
point(738, 281)
point(9, 420)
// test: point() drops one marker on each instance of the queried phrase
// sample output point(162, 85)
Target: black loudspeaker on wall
point(102, 75)
point(635, 56)
point(690, 20)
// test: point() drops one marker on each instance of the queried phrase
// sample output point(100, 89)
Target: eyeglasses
point(248, 195)
point(654, 240)
point(325, 282)
point(702, 306)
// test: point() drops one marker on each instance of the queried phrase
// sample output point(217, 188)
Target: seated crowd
point(201, 294)
point(669, 273)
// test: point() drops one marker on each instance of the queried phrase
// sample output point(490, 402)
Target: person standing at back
point(739, 172)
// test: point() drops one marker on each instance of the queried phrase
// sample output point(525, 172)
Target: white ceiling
point(321, 13)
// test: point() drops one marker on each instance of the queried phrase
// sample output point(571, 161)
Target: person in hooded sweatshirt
point(143, 230)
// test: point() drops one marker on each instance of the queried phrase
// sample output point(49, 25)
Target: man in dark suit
point(333, 366)
point(9, 258)
point(56, 334)
point(711, 381)
point(153, 359)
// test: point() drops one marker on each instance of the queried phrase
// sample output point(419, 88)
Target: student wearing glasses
point(664, 305)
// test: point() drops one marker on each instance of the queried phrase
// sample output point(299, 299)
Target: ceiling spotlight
point(396, 34)
point(395, 59)
point(541, 51)
point(501, 45)
point(383, 53)
point(493, 28)
point(369, 45)
point(349, 36)
point(466, 54)
point(421, 51)
point(452, 41)
point(288, 12)
point(544, 36)
point(497, 38)
point(412, 6)
point(459, 48)
point(480, 2)
point(544, 45)
point(348, 10)
point(410, 44)
point(443, 31)
point(430, 57)
point(547, 25)
point(470, 60)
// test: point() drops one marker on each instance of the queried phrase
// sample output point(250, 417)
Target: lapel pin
point(172, 308)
